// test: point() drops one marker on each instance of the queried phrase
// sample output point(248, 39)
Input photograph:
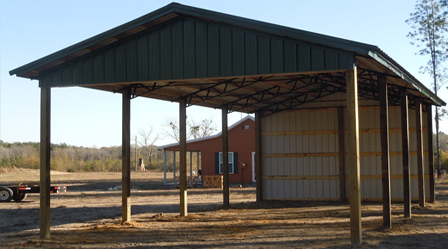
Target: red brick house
point(241, 137)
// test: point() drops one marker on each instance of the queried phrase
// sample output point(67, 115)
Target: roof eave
point(29, 67)
point(388, 62)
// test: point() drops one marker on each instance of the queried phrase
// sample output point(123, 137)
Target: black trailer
point(18, 192)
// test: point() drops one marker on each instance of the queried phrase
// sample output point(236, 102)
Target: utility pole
point(135, 153)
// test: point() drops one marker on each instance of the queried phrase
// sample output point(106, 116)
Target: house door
point(253, 167)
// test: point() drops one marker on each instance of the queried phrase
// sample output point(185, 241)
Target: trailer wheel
point(19, 197)
point(5, 194)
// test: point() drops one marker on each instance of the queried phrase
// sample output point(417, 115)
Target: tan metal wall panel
point(287, 145)
point(292, 137)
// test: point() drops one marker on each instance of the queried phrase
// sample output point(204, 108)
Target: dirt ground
point(88, 216)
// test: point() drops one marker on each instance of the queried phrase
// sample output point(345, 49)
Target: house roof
point(53, 69)
point(248, 117)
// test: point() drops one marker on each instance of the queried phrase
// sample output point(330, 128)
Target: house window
point(233, 165)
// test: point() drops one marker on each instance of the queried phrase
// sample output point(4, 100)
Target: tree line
point(72, 158)
point(105, 159)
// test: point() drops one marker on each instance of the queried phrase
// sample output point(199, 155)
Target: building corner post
point(45, 143)
point(225, 158)
point(353, 166)
point(126, 156)
point(183, 156)
point(385, 161)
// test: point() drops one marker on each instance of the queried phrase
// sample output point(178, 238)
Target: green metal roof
point(36, 69)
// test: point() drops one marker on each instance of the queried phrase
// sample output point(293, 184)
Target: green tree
point(429, 25)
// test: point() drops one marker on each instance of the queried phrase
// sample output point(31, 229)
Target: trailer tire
point(6, 194)
point(20, 197)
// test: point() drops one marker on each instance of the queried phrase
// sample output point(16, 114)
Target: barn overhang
point(215, 60)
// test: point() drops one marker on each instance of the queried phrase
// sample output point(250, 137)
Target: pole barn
point(335, 119)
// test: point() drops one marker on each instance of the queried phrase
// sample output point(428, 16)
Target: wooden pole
point(225, 157)
point(164, 167)
point(353, 156)
point(174, 167)
point(432, 189)
point(183, 157)
point(421, 181)
point(45, 142)
point(191, 165)
point(341, 137)
point(197, 156)
point(258, 164)
point(405, 149)
point(385, 164)
point(126, 157)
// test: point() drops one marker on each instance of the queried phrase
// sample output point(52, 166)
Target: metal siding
point(213, 51)
point(77, 72)
point(346, 60)
point(238, 61)
point(67, 75)
point(56, 77)
point(290, 56)
point(45, 80)
point(154, 39)
point(120, 63)
point(250, 54)
point(88, 70)
point(317, 59)
point(109, 66)
point(225, 52)
point(98, 68)
point(131, 60)
point(371, 188)
point(189, 50)
point(192, 48)
point(264, 59)
point(177, 41)
point(302, 166)
point(143, 57)
point(276, 56)
point(303, 58)
point(165, 52)
point(331, 60)
point(201, 50)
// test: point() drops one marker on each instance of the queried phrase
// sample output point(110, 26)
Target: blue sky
point(30, 30)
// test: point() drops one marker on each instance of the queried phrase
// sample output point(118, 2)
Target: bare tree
point(195, 129)
point(429, 25)
point(173, 125)
point(147, 141)
point(204, 128)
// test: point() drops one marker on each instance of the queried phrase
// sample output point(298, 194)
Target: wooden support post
point(164, 167)
point(45, 142)
point(341, 137)
point(421, 179)
point(191, 165)
point(405, 149)
point(258, 164)
point(225, 157)
point(385, 164)
point(197, 156)
point(126, 157)
point(432, 189)
point(353, 156)
point(174, 168)
point(183, 157)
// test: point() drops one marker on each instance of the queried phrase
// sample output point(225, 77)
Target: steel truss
point(277, 94)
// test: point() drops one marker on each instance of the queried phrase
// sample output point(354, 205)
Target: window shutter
point(235, 162)
point(216, 162)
